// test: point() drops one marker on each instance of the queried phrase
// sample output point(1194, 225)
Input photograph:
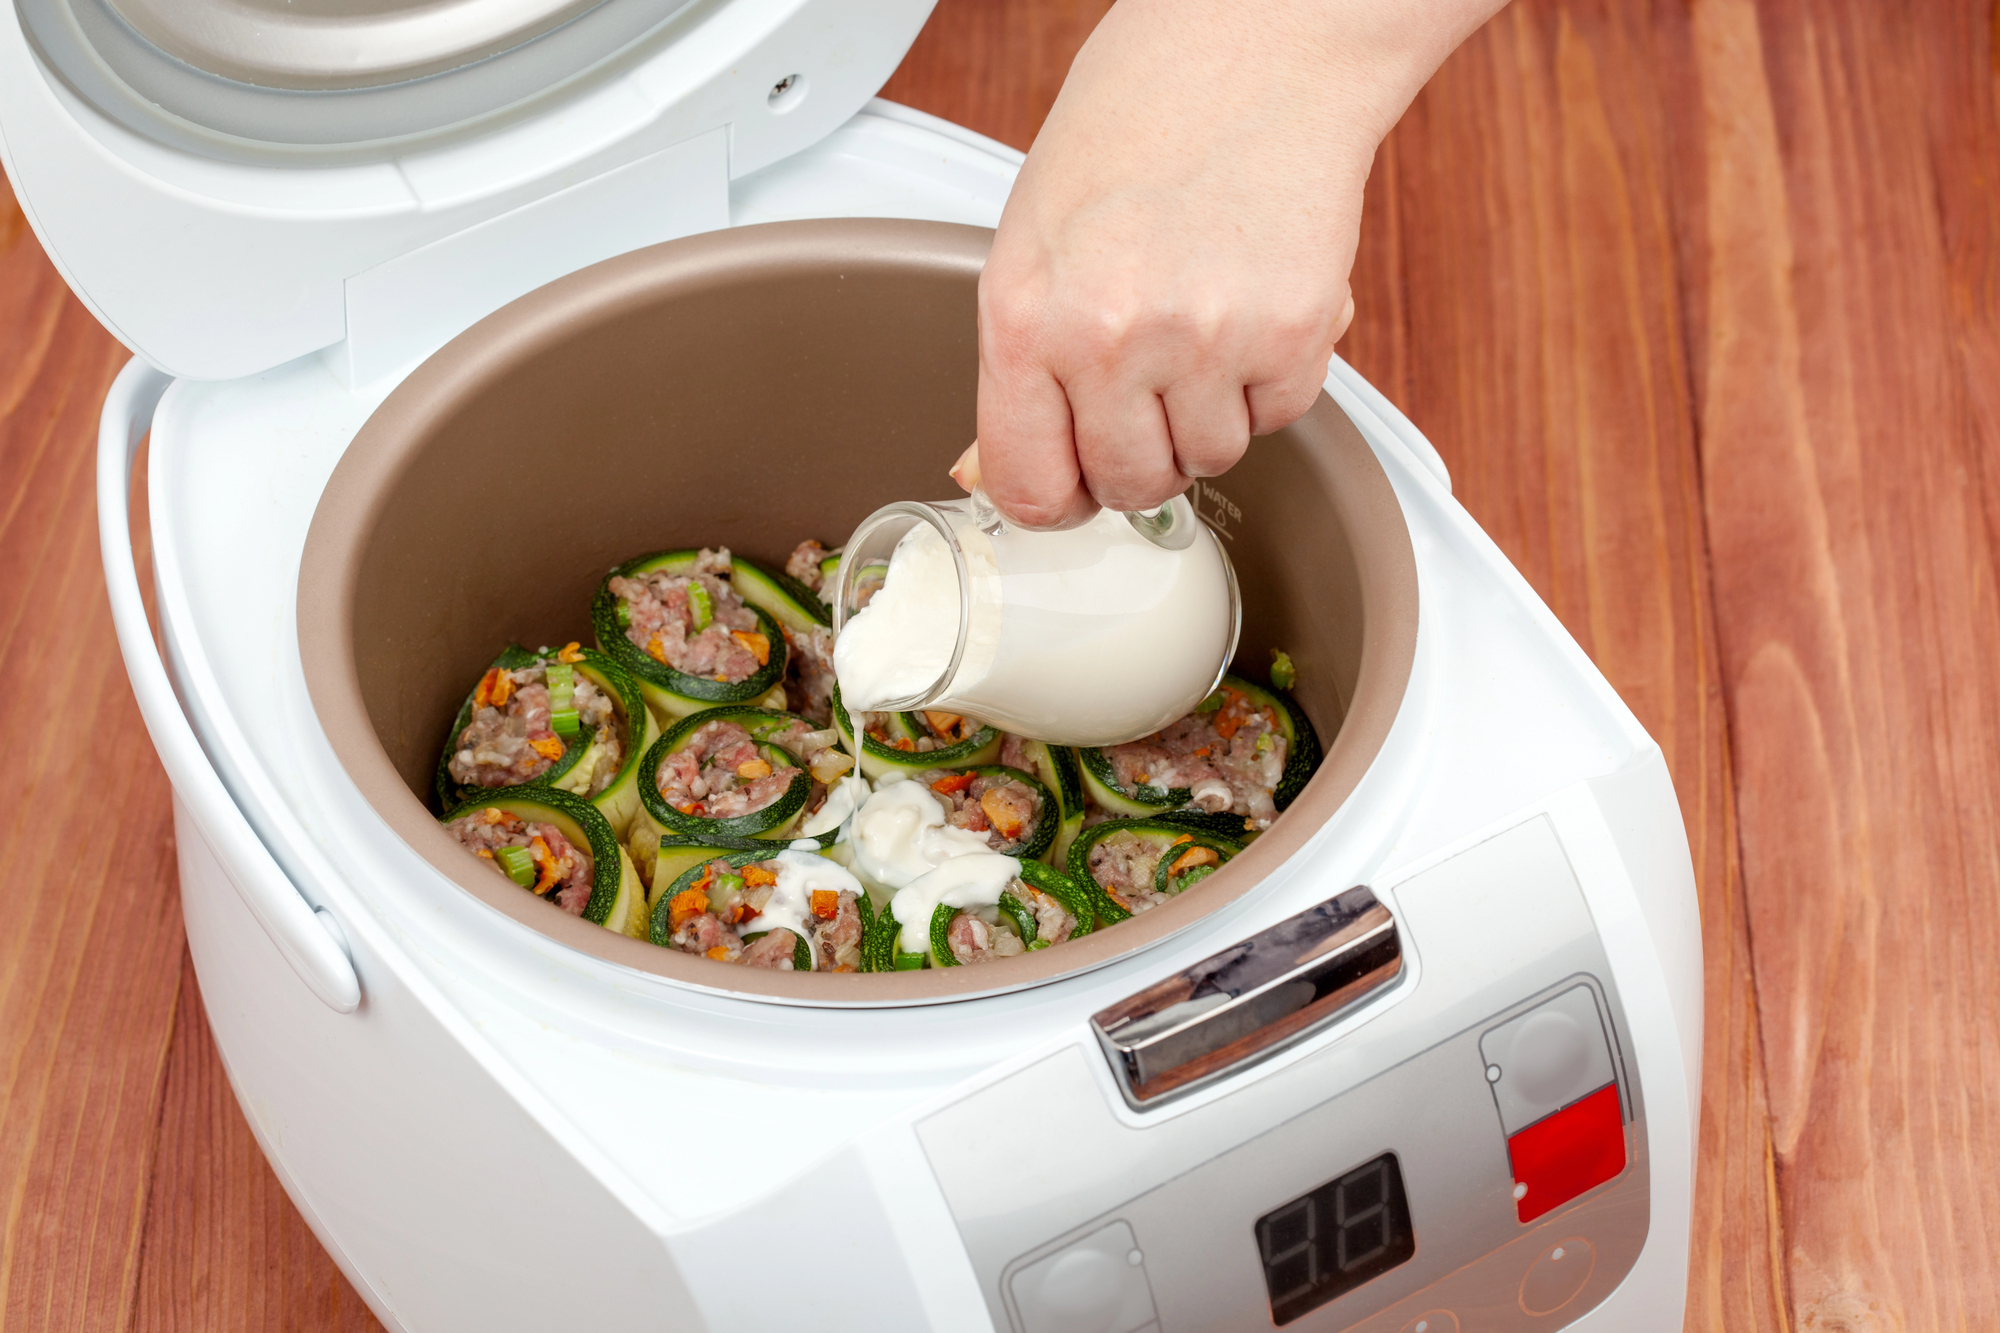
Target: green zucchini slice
point(692, 860)
point(791, 603)
point(940, 954)
point(882, 950)
point(1135, 801)
point(1048, 816)
point(1158, 878)
point(775, 820)
point(577, 771)
point(617, 896)
point(672, 693)
point(877, 759)
point(1057, 767)
point(1302, 752)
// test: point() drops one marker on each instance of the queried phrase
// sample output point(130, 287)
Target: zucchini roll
point(1245, 751)
point(974, 909)
point(906, 744)
point(572, 719)
point(1136, 864)
point(555, 845)
point(807, 625)
point(787, 910)
point(736, 773)
point(676, 622)
point(1057, 767)
point(1018, 815)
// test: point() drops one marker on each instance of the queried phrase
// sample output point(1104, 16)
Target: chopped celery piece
point(1210, 704)
point(519, 863)
point(563, 722)
point(624, 614)
point(1283, 674)
point(701, 606)
point(562, 685)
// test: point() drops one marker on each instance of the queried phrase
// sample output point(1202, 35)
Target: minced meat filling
point(721, 774)
point(1229, 758)
point(712, 915)
point(562, 869)
point(1053, 921)
point(975, 940)
point(730, 647)
point(1005, 809)
point(803, 563)
point(1124, 864)
point(509, 739)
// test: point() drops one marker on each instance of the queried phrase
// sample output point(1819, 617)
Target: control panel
point(1471, 1158)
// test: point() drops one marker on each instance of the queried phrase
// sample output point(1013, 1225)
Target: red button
point(1560, 1156)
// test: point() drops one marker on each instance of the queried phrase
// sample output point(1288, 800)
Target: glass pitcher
point(1092, 636)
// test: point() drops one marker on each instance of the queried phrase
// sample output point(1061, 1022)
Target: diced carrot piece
point(825, 902)
point(707, 876)
point(551, 870)
point(752, 769)
point(687, 904)
point(755, 642)
point(951, 726)
point(571, 652)
point(1229, 719)
point(492, 814)
point(720, 953)
point(1185, 837)
point(1203, 752)
point(1192, 857)
point(485, 853)
point(757, 876)
point(956, 782)
point(495, 688)
point(905, 744)
point(656, 650)
point(549, 747)
point(1002, 815)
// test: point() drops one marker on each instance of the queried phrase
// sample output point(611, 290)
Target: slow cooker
point(441, 310)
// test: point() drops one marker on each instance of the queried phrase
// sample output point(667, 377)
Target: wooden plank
point(1518, 294)
point(1845, 288)
point(994, 65)
point(224, 1246)
point(90, 929)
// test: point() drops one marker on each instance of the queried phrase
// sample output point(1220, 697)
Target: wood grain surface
point(1701, 303)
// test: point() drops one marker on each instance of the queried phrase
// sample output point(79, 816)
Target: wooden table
point(1701, 303)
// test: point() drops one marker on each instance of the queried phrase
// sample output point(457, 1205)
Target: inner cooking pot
point(751, 388)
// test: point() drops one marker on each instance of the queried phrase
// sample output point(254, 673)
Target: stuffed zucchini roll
point(1137, 864)
point(1245, 751)
point(676, 622)
point(789, 910)
point(557, 846)
point(736, 773)
point(906, 744)
point(1018, 815)
point(807, 625)
point(974, 909)
point(572, 719)
point(1057, 767)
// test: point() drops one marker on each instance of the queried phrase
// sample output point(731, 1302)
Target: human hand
point(1170, 273)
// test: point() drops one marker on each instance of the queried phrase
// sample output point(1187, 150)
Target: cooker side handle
point(308, 939)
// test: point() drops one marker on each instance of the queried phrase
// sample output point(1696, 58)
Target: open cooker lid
point(230, 184)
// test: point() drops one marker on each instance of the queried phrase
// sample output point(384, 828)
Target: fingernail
point(966, 470)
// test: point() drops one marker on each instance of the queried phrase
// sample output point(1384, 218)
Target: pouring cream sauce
point(1094, 636)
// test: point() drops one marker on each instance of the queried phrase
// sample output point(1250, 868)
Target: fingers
point(1026, 455)
point(1208, 421)
point(1124, 446)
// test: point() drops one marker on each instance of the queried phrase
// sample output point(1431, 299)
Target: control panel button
point(1095, 1285)
point(1548, 1058)
point(1557, 1275)
point(1576, 1149)
point(1433, 1321)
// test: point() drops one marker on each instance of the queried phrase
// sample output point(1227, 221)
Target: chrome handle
point(307, 938)
point(1252, 999)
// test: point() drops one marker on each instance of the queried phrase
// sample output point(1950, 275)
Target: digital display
point(1327, 1243)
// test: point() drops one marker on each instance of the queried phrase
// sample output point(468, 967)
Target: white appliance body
point(488, 1130)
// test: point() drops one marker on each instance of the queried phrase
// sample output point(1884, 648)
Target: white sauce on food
point(900, 835)
point(842, 800)
point(801, 870)
point(975, 880)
